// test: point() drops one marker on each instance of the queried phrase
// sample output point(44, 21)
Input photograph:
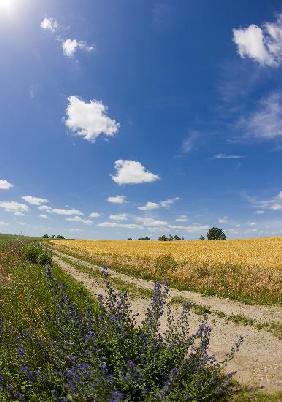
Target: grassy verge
point(255, 396)
point(95, 273)
point(273, 327)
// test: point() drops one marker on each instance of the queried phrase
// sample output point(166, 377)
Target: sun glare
point(7, 6)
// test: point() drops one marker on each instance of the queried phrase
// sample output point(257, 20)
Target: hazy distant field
point(249, 270)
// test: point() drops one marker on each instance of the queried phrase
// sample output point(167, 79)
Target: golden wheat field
point(250, 269)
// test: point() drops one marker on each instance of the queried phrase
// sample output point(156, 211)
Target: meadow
point(246, 270)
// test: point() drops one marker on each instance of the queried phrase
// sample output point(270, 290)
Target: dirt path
point(228, 307)
point(259, 361)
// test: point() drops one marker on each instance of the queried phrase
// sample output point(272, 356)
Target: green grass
point(26, 297)
point(274, 328)
point(246, 395)
point(95, 273)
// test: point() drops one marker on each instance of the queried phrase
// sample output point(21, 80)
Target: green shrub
point(37, 254)
point(44, 257)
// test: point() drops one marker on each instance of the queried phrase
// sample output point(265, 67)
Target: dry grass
point(248, 270)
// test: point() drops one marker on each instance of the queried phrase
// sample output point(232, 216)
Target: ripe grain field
point(246, 270)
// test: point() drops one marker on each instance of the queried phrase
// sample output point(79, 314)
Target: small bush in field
point(37, 254)
point(44, 257)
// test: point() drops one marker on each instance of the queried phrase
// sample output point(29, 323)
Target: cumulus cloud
point(50, 24)
point(118, 217)
point(266, 122)
point(71, 46)
point(79, 220)
point(262, 44)
point(13, 206)
point(67, 212)
point(94, 215)
point(34, 200)
point(43, 216)
point(5, 185)
point(149, 206)
point(162, 204)
point(169, 202)
point(132, 172)
point(117, 199)
point(89, 120)
point(228, 156)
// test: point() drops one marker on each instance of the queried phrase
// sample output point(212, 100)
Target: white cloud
point(191, 228)
point(3, 223)
point(225, 156)
point(5, 185)
point(181, 218)
point(49, 24)
point(70, 47)
point(13, 206)
point(89, 120)
point(119, 225)
point(223, 220)
point(34, 200)
point(117, 199)
point(118, 217)
point(266, 122)
point(149, 206)
point(169, 202)
point(18, 213)
point(94, 215)
point(79, 220)
point(262, 44)
point(162, 204)
point(151, 222)
point(132, 172)
point(43, 216)
point(272, 204)
point(67, 212)
point(45, 208)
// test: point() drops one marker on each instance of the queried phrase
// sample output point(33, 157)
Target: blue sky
point(131, 118)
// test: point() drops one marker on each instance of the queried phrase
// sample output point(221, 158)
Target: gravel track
point(259, 361)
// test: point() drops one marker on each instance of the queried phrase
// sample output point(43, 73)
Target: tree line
point(213, 233)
